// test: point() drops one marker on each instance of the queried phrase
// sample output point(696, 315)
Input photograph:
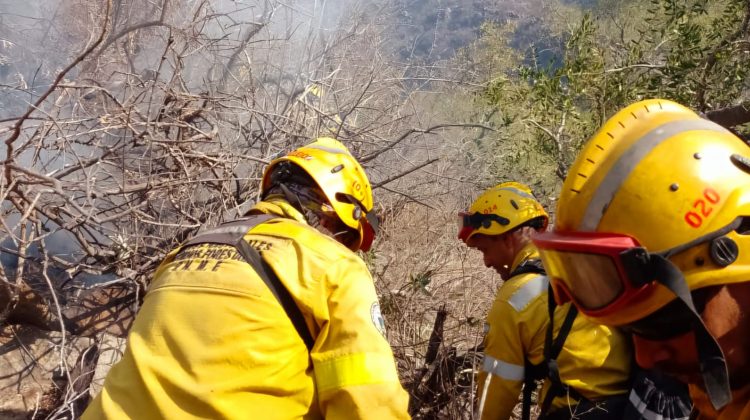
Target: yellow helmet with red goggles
point(501, 209)
point(341, 179)
point(673, 183)
point(655, 208)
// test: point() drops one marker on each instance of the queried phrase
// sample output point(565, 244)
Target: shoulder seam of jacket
point(526, 293)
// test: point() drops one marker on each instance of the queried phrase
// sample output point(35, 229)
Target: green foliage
point(420, 281)
point(698, 44)
point(691, 51)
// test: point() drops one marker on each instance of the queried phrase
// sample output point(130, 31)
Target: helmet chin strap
point(312, 218)
point(713, 365)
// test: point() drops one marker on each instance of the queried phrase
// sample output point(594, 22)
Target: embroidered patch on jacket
point(377, 318)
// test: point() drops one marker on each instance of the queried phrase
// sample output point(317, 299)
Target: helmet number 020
point(702, 207)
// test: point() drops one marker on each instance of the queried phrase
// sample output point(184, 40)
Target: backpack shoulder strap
point(552, 349)
point(532, 372)
point(233, 234)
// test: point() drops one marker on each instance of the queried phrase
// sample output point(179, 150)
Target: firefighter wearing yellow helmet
point(271, 316)
point(652, 235)
point(585, 367)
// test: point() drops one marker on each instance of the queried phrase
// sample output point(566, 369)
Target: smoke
point(220, 49)
point(39, 37)
point(34, 45)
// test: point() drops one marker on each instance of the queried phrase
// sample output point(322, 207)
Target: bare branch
point(429, 130)
point(16, 130)
point(402, 174)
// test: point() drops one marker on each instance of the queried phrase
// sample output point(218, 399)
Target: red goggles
point(599, 272)
point(603, 272)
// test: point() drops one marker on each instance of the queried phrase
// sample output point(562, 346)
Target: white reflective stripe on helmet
point(611, 183)
point(519, 192)
point(325, 149)
point(504, 370)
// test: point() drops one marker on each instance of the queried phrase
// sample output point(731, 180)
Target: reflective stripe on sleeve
point(526, 293)
point(354, 369)
point(502, 369)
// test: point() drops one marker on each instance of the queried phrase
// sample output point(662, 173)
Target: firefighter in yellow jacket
point(593, 362)
point(653, 235)
point(269, 317)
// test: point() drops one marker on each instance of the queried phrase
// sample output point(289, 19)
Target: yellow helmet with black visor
point(501, 209)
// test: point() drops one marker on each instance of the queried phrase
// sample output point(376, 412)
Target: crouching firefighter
point(585, 367)
point(272, 316)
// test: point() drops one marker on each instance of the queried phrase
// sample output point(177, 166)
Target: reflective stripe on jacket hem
point(642, 408)
point(354, 369)
point(502, 369)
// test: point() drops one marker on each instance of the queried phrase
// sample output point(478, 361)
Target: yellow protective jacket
point(738, 409)
point(211, 341)
point(595, 360)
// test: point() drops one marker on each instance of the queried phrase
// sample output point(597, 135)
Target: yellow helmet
point(343, 181)
point(676, 183)
point(501, 209)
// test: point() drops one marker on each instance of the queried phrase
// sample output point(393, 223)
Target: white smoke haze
point(166, 122)
point(128, 125)
point(33, 46)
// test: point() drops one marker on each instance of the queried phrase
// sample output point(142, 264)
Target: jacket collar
point(278, 206)
point(528, 252)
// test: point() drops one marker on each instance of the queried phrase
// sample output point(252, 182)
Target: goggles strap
point(370, 216)
point(478, 220)
point(372, 220)
point(713, 364)
point(304, 200)
point(705, 238)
